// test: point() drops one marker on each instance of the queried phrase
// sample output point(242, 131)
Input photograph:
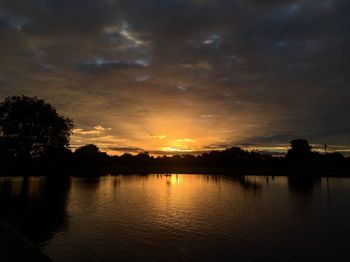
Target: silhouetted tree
point(143, 159)
point(87, 150)
point(300, 150)
point(89, 154)
point(30, 128)
point(300, 145)
point(334, 157)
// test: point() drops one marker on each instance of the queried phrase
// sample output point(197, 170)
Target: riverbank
point(98, 170)
point(14, 247)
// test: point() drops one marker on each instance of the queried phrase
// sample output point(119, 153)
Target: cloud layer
point(227, 72)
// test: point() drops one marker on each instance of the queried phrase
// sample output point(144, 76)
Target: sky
point(184, 76)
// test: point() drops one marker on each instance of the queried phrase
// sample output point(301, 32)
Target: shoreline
point(15, 247)
point(93, 170)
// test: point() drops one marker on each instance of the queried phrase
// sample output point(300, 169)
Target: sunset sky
point(184, 75)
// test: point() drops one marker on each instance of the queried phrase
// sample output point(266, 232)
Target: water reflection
point(250, 184)
point(35, 206)
point(303, 185)
point(179, 216)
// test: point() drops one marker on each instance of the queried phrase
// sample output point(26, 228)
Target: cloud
point(101, 128)
point(99, 64)
point(231, 70)
point(159, 136)
point(126, 149)
point(165, 152)
point(218, 146)
point(185, 140)
point(12, 22)
point(142, 78)
point(95, 131)
point(181, 88)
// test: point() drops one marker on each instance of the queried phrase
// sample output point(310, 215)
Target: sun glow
point(163, 133)
point(174, 149)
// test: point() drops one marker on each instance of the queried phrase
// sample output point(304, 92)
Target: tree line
point(31, 131)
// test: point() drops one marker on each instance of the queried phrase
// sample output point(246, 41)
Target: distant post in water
point(325, 148)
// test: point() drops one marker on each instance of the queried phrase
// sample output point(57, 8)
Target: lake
point(181, 217)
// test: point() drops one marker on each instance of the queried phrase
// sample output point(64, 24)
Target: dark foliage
point(229, 159)
point(89, 153)
point(299, 158)
point(30, 129)
point(300, 150)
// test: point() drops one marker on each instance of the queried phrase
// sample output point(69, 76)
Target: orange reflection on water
point(166, 202)
point(177, 216)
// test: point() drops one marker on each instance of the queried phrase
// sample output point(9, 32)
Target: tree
point(31, 128)
point(89, 150)
point(300, 150)
point(89, 153)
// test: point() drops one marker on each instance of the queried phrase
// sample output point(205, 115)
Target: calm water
point(182, 217)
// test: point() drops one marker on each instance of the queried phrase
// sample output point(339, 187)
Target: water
point(182, 217)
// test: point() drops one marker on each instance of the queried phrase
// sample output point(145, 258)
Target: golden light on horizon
point(174, 149)
point(177, 133)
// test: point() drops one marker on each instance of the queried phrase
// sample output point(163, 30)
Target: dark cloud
point(99, 64)
point(218, 146)
point(11, 22)
point(128, 149)
point(62, 16)
point(257, 72)
point(172, 153)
